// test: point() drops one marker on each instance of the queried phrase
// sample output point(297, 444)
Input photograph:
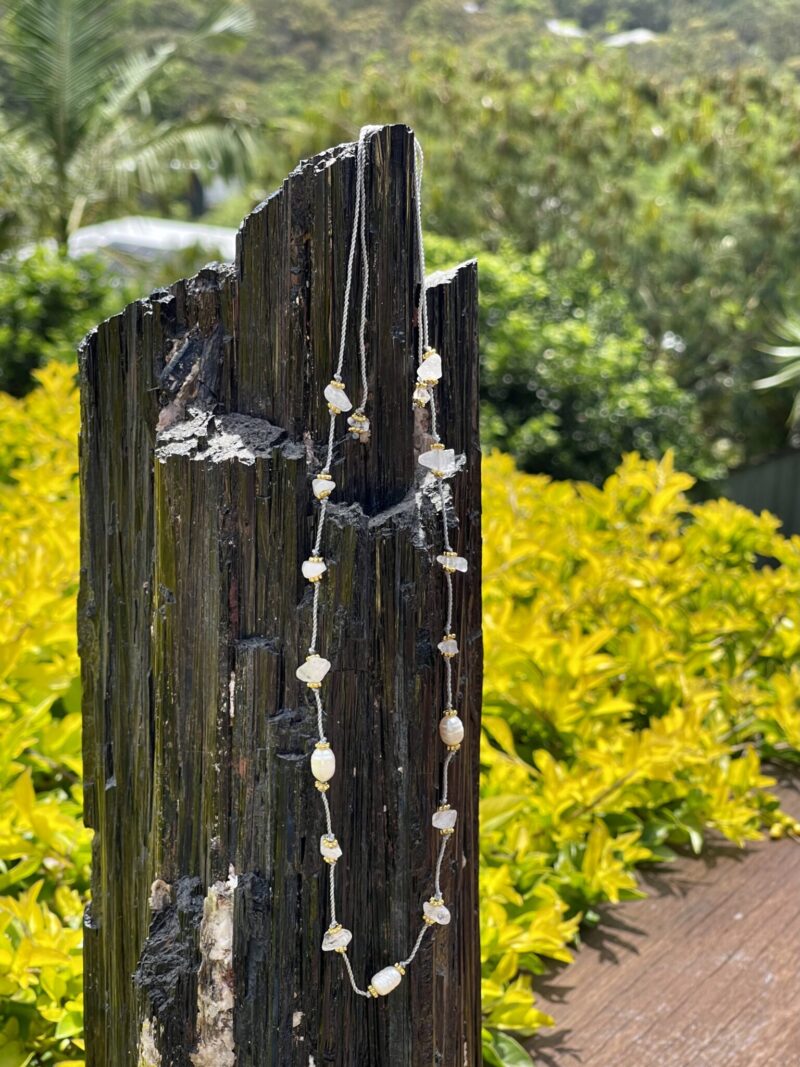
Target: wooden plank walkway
point(704, 973)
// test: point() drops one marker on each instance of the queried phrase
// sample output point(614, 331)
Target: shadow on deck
point(703, 973)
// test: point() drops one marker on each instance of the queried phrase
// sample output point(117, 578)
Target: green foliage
point(570, 380)
point(687, 196)
point(47, 303)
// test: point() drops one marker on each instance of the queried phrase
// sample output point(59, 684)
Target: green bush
point(47, 303)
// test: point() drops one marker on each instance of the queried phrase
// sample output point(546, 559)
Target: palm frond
point(58, 54)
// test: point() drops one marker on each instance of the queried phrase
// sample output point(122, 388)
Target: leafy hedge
point(639, 668)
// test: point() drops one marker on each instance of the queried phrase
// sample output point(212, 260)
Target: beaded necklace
point(439, 463)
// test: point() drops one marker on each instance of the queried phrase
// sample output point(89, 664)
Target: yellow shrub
point(43, 845)
point(638, 668)
point(638, 665)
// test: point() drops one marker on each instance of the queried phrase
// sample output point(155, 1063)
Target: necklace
point(438, 464)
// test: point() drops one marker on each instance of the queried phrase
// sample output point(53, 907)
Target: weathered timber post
point(209, 896)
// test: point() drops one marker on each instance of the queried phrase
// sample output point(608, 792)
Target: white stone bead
point(445, 820)
point(421, 396)
point(451, 562)
point(451, 730)
point(338, 400)
point(430, 369)
point(313, 568)
point(329, 847)
point(359, 426)
point(441, 461)
point(322, 487)
point(313, 670)
point(336, 937)
point(448, 647)
point(323, 764)
point(436, 912)
point(386, 980)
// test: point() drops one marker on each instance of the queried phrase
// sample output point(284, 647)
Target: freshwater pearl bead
point(434, 911)
point(323, 764)
point(386, 980)
point(338, 400)
point(441, 461)
point(430, 369)
point(336, 939)
point(313, 670)
point(313, 568)
point(421, 396)
point(452, 562)
point(329, 848)
point(322, 486)
point(445, 818)
point(451, 730)
point(448, 646)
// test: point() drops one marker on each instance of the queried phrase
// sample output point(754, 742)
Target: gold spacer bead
point(448, 830)
point(316, 559)
point(336, 385)
point(453, 748)
point(428, 921)
point(323, 787)
point(326, 476)
point(436, 901)
point(330, 861)
point(450, 712)
point(444, 807)
point(438, 446)
point(331, 843)
point(399, 967)
point(334, 928)
point(373, 992)
point(341, 949)
point(322, 744)
point(334, 410)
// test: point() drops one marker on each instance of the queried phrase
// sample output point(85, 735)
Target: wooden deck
point(704, 973)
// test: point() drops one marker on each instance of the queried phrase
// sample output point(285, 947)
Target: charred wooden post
point(202, 408)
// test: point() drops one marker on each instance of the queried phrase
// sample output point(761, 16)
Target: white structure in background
point(616, 40)
point(151, 238)
point(622, 40)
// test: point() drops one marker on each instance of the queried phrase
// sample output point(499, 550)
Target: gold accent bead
point(314, 685)
point(428, 921)
point(330, 861)
point(336, 385)
point(443, 807)
point(373, 992)
point(436, 901)
point(334, 928)
point(326, 476)
point(341, 949)
point(322, 744)
point(399, 967)
point(450, 712)
point(448, 830)
point(438, 445)
point(323, 787)
point(453, 748)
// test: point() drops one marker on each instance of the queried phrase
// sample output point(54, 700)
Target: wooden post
point(202, 410)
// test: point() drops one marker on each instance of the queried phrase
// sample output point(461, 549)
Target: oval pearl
point(323, 764)
point(386, 980)
point(451, 730)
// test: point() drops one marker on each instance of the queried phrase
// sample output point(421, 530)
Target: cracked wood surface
point(704, 972)
point(196, 514)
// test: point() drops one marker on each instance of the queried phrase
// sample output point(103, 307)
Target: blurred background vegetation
point(627, 174)
point(627, 171)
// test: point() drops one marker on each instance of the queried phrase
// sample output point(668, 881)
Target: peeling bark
point(202, 419)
